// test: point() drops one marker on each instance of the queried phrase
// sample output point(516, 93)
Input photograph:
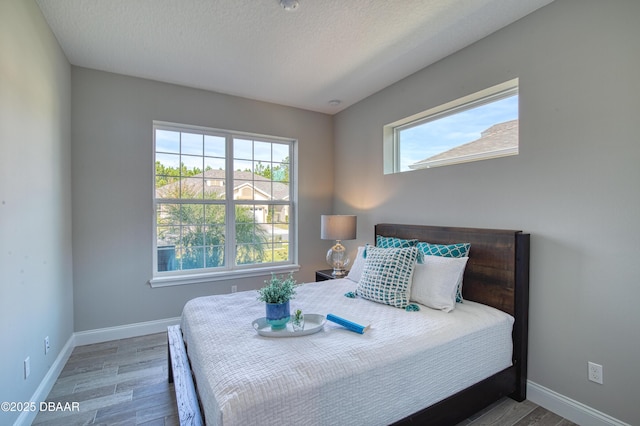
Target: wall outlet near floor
point(47, 347)
point(234, 288)
point(27, 367)
point(595, 372)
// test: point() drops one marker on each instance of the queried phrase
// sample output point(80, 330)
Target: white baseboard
point(568, 408)
point(123, 331)
point(43, 389)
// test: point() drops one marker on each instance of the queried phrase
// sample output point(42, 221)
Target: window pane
point(262, 151)
point(214, 235)
point(211, 163)
point(214, 256)
point(215, 214)
point(263, 169)
point(168, 214)
point(192, 188)
point(167, 141)
point(214, 238)
point(280, 152)
point(262, 233)
point(168, 235)
point(192, 257)
point(280, 172)
point(192, 144)
point(491, 128)
point(281, 252)
point(192, 165)
point(476, 127)
point(192, 214)
point(167, 258)
point(214, 146)
point(280, 239)
point(167, 164)
point(214, 187)
point(249, 254)
point(243, 148)
point(167, 187)
point(243, 166)
point(243, 190)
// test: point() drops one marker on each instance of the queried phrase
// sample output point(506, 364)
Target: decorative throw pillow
point(356, 270)
point(393, 242)
point(386, 276)
point(435, 282)
point(447, 250)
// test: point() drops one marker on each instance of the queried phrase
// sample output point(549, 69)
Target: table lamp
point(338, 228)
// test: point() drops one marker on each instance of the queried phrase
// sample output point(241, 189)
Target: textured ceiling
point(324, 50)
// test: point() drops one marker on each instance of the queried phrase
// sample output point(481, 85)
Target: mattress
point(406, 361)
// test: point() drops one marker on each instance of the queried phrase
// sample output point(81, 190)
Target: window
point(477, 127)
point(224, 204)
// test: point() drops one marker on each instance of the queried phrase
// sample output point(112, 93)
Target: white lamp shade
point(338, 227)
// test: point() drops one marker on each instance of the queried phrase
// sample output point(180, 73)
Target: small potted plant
point(297, 322)
point(276, 294)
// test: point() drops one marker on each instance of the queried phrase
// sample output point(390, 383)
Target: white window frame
point(229, 270)
point(391, 141)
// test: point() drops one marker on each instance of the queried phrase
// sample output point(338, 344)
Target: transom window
point(224, 203)
point(480, 126)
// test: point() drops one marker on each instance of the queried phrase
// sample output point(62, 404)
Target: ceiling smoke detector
point(289, 5)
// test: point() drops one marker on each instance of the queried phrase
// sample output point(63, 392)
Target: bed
point(225, 387)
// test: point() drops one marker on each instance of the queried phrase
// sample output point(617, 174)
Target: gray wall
point(36, 297)
point(112, 168)
point(574, 186)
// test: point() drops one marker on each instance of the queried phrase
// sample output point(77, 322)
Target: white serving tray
point(312, 324)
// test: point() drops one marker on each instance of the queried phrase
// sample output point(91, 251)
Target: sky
point(204, 151)
point(433, 137)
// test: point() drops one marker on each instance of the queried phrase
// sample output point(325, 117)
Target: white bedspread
point(405, 362)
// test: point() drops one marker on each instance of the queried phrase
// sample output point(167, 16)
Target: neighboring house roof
point(214, 183)
point(496, 141)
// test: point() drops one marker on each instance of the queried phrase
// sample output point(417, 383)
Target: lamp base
point(337, 258)
point(339, 273)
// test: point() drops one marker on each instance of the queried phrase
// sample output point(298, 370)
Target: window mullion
point(230, 240)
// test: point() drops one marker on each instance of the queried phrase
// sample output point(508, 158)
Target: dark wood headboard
point(498, 259)
point(497, 274)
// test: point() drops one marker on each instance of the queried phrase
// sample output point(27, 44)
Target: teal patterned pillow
point(387, 274)
point(393, 242)
point(447, 250)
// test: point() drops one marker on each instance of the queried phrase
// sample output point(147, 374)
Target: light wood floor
point(124, 382)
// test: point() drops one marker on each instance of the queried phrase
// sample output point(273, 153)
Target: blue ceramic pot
point(278, 315)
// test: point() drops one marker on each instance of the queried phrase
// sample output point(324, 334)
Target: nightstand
point(326, 274)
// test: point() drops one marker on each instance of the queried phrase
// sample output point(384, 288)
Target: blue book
point(349, 325)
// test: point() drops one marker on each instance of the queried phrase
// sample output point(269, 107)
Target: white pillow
point(436, 280)
point(356, 270)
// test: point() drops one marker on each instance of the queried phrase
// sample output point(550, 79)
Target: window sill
point(173, 280)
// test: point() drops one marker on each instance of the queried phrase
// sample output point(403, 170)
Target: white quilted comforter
point(405, 362)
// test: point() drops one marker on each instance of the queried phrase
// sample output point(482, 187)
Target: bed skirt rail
point(180, 375)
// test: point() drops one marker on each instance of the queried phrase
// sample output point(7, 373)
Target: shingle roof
point(499, 138)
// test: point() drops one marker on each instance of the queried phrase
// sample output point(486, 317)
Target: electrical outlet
point(595, 372)
point(27, 367)
point(234, 288)
point(47, 347)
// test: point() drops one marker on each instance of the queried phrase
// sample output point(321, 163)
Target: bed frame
point(497, 274)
